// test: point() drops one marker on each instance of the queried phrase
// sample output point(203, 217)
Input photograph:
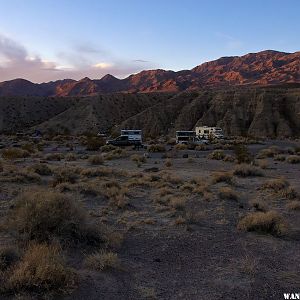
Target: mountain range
point(265, 68)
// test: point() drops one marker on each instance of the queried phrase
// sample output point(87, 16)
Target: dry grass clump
point(269, 152)
point(217, 154)
point(157, 148)
point(65, 175)
point(181, 147)
point(229, 158)
point(245, 170)
point(41, 169)
point(94, 143)
point(289, 193)
point(293, 205)
point(20, 176)
point(97, 172)
point(259, 205)
point(276, 185)
point(293, 159)
point(168, 163)
point(14, 153)
point(138, 159)
point(54, 156)
point(44, 216)
point(262, 163)
point(177, 202)
point(201, 147)
point(115, 154)
point(71, 157)
point(227, 193)
point(108, 148)
point(222, 177)
point(96, 160)
point(264, 222)
point(102, 260)
point(164, 191)
point(40, 270)
point(279, 157)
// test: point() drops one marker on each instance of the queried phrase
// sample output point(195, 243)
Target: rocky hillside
point(271, 112)
point(262, 68)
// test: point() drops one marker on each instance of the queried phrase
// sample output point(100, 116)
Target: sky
point(44, 40)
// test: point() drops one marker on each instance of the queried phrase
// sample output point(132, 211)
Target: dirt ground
point(180, 235)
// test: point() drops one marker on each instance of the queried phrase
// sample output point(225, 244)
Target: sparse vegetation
point(102, 260)
point(264, 222)
point(96, 160)
point(14, 153)
point(222, 177)
point(217, 154)
point(156, 148)
point(245, 170)
point(227, 193)
point(242, 154)
point(293, 159)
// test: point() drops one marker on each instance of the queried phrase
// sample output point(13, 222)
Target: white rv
point(186, 137)
point(207, 132)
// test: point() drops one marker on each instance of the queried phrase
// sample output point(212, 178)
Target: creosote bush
point(227, 193)
point(41, 169)
point(44, 216)
point(222, 177)
point(293, 159)
point(275, 184)
point(264, 222)
point(242, 154)
point(94, 143)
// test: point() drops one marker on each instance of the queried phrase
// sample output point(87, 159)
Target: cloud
point(83, 60)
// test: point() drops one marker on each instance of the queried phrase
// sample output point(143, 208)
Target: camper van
point(209, 132)
point(188, 137)
point(127, 138)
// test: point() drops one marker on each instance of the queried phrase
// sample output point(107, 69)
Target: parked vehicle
point(209, 132)
point(189, 137)
point(127, 138)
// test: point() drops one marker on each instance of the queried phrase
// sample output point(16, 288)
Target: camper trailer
point(127, 138)
point(188, 137)
point(209, 132)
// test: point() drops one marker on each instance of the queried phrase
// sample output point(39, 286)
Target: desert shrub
point(216, 154)
point(107, 148)
point(201, 148)
point(156, 148)
point(242, 154)
point(64, 175)
point(96, 160)
point(269, 152)
point(71, 157)
point(171, 141)
point(289, 193)
point(177, 202)
point(41, 269)
point(1, 166)
point(102, 260)
point(222, 177)
point(181, 147)
point(138, 158)
point(8, 256)
point(54, 156)
point(264, 222)
point(227, 193)
point(94, 143)
point(168, 163)
point(115, 154)
point(293, 159)
point(275, 184)
point(229, 158)
point(245, 170)
point(14, 153)
point(44, 216)
point(262, 163)
point(41, 169)
point(290, 150)
point(259, 205)
point(294, 205)
point(279, 157)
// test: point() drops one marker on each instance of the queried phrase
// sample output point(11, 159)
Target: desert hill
point(257, 111)
point(263, 68)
